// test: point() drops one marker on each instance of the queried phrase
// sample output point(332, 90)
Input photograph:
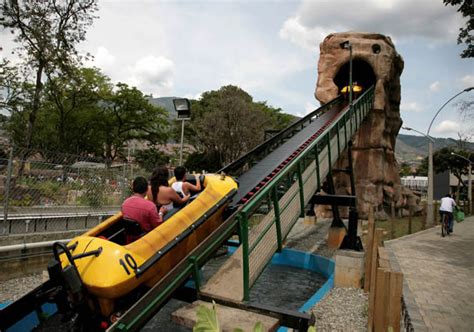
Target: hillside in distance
point(412, 149)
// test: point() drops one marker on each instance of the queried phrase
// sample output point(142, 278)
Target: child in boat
point(182, 187)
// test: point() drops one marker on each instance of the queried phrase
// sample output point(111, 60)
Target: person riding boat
point(162, 194)
point(182, 187)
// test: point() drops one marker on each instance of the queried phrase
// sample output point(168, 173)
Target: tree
point(150, 158)
point(422, 169)
point(47, 33)
point(82, 114)
point(128, 115)
point(405, 169)
point(443, 161)
point(278, 119)
point(206, 161)
point(68, 120)
point(466, 8)
point(227, 123)
point(12, 90)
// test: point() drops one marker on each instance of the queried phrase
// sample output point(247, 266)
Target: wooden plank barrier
point(385, 285)
point(368, 246)
point(378, 236)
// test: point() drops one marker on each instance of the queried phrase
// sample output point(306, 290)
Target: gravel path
point(13, 289)
point(343, 309)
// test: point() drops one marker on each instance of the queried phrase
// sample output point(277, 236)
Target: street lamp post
point(430, 212)
point(469, 178)
point(347, 45)
point(183, 108)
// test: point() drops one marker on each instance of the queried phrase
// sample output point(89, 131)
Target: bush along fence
point(46, 191)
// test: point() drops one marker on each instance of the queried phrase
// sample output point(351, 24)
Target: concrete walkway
point(438, 277)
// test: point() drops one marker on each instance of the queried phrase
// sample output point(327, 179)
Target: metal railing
point(48, 191)
point(262, 150)
point(284, 198)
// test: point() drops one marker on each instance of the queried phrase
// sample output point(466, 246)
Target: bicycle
point(444, 224)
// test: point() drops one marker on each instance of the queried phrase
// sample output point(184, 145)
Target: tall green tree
point(443, 161)
point(128, 115)
point(149, 159)
point(12, 90)
point(227, 123)
point(405, 169)
point(46, 33)
point(71, 107)
point(84, 114)
point(466, 8)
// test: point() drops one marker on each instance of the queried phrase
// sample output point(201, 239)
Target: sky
point(271, 50)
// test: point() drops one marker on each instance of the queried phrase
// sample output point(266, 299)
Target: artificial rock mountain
point(375, 62)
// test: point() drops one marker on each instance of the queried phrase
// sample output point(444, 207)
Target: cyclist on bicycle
point(447, 206)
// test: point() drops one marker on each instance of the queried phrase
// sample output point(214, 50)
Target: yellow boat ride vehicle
point(109, 268)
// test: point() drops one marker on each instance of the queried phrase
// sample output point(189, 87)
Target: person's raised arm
point(192, 187)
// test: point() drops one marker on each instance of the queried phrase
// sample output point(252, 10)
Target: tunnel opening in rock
point(362, 73)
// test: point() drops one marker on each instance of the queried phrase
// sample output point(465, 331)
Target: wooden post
point(424, 216)
point(383, 260)
point(368, 246)
point(378, 238)
point(410, 215)
point(436, 213)
point(381, 299)
point(395, 301)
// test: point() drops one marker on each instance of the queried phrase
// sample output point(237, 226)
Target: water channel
point(279, 286)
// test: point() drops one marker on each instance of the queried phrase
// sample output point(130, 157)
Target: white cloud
point(411, 107)
point(447, 127)
point(305, 37)
point(103, 60)
point(152, 75)
point(310, 106)
point(468, 81)
point(196, 96)
point(435, 86)
point(400, 19)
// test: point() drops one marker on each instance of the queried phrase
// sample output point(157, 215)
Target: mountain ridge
point(412, 148)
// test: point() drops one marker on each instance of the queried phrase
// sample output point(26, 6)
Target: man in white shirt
point(447, 206)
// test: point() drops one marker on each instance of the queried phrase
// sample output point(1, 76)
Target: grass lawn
point(398, 227)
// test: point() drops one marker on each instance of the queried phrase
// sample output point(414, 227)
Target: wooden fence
point(382, 283)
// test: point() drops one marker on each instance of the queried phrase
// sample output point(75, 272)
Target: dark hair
point(140, 185)
point(179, 173)
point(448, 195)
point(159, 177)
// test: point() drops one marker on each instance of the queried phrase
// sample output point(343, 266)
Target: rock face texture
point(375, 62)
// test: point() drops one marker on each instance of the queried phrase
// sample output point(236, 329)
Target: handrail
point(277, 139)
point(352, 117)
point(318, 140)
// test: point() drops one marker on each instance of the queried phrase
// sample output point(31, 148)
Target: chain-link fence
point(46, 191)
